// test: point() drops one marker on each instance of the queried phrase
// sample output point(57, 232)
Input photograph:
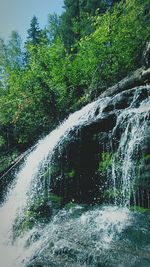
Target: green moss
point(28, 221)
point(47, 174)
point(70, 205)
point(53, 170)
point(71, 174)
point(55, 199)
point(75, 209)
point(106, 161)
point(147, 156)
point(38, 211)
point(142, 171)
point(2, 142)
point(112, 193)
point(139, 209)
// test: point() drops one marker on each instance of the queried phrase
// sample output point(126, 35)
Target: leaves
point(90, 47)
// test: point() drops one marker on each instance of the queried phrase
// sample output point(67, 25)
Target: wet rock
point(104, 124)
point(146, 56)
point(81, 163)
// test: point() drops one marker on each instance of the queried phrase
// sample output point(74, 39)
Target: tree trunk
point(139, 77)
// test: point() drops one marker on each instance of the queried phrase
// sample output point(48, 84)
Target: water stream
point(134, 123)
point(83, 235)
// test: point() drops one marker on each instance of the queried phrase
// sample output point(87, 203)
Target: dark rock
point(76, 174)
point(146, 56)
point(137, 78)
point(101, 124)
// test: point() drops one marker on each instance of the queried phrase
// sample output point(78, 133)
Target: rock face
point(82, 166)
point(146, 56)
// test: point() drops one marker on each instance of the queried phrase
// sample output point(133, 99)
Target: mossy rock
point(106, 161)
point(39, 211)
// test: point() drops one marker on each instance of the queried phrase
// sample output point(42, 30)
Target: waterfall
point(64, 240)
point(27, 176)
point(133, 123)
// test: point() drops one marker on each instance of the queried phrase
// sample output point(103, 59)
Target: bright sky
point(17, 14)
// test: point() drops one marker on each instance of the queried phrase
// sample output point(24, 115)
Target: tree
point(53, 27)
point(34, 32)
point(71, 12)
point(75, 20)
point(36, 37)
point(3, 53)
point(11, 57)
point(3, 59)
point(14, 52)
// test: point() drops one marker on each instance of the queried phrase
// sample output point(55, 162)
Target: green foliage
point(77, 17)
point(75, 210)
point(114, 48)
point(70, 205)
point(90, 47)
point(53, 170)
point(7, 159)
point(105, 162)
point(40, 210)
point(139, 209)
point(34, 33)
point(71, 174)
point(14, 51)
point(147, 157)
point(2, 141)
point(55, 199)
point(43, 84)
point(53, 27)
point(112, 193)
point(142, 180)
point(36, 96)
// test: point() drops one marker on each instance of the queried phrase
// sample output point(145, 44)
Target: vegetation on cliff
point(62, 67)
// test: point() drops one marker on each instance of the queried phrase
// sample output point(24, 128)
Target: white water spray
point(100, 226)
point(133, 123)
point(17, 198)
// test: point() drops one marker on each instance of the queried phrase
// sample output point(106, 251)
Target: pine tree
point(34, 33)
point(74, 20)
point(14, 52)
point(11, 56)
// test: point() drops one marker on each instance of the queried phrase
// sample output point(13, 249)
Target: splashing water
point(133, 123)
point(80, 234)
point(78, 237)
point(35, 161)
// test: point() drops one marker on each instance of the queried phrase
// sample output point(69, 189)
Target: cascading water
point(36, 160)
point(133, 122)
point(82, 235)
